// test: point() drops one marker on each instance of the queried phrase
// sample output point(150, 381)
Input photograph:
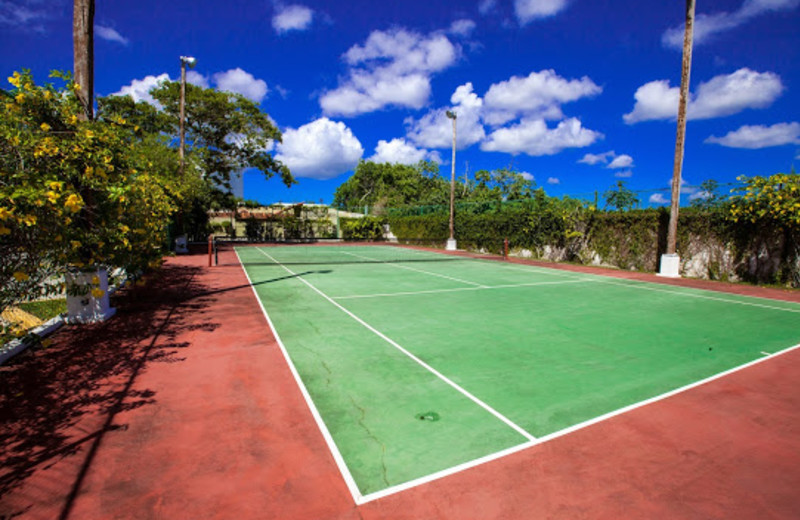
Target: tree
point(707, 198)
point(392, 185)
point(225, 132)
point(501, 185)
point(621, 198)
point(83, 54)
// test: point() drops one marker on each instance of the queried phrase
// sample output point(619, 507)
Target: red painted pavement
point(182, 406)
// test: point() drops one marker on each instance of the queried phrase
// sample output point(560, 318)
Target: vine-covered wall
point(710, 245)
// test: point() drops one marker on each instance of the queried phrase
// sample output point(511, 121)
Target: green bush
point(366, 228)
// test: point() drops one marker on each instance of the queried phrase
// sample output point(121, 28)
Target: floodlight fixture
point(190, 61)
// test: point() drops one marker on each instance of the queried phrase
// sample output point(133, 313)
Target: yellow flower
point(5, 214)
point(89, 134)
point(45, 127)
point(20, 98)
point(89, 170)
point(4, 231)
point(97, 292)
point(28, 220)
point(48, 94)
point(55, 185)
point(20, 276)
point(75, 244)
point(52, 197)
point(95, 280)
point(73, 119)
point(74, 203)
point(15, 79)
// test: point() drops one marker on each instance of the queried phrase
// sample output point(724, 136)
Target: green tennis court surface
point(419, 362)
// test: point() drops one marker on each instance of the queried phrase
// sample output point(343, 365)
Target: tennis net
point(328, 252)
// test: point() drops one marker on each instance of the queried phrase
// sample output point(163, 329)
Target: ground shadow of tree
point(86, 376)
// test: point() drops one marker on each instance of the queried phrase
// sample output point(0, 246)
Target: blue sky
point(575, 93)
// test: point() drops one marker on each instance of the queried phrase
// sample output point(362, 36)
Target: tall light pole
point(451, 242)
point(670, 262)
point(185, 60)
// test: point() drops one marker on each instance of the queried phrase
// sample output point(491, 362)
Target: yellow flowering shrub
point(74, 195)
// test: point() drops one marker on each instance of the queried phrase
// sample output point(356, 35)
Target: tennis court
point(417, 364)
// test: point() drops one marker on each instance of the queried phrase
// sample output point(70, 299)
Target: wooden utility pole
point(83, 54)
point(686, 67)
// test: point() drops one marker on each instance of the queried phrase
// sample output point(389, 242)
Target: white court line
point(426, 366)
point(326, 434)
point(560, 433)
point(361, 499)
point(458, 289)
point(414, 269)
point(652, 286)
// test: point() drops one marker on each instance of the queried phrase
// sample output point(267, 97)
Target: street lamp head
point(189, 60)
point(451, 114)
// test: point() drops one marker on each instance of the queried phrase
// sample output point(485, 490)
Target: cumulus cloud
point(721, 96)
point(539, 95)
point(592, 158)
point(624, 174)
point(196, 79)
point(139, 89)
point(486, 6)
point(553, 180)
point(533, 137)
point(321, 149)
point(392, 68)
point(706, 26)
point(463, 27)
point(109, 34)
point(528, 10)
point(435, 129)
point(399, 151)
point(760, 136)
point(621, 161)
point(658, 198)
point(528, 176)
point(292, 18)
point(241, 82)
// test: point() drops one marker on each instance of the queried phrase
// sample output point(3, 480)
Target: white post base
point(670, 266)
point(451, 244)
point(86, 308)
point(182, 245)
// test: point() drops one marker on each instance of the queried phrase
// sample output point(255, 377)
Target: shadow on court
point(58, 402)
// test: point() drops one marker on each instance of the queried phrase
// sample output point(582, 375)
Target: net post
point(210, 247)
point(505, 249)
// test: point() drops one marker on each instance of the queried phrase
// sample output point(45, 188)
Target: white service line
point(426, 366)
point(414, 269)
point(326, 434)
point(459, 289)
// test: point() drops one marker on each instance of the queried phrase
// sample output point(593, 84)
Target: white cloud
point(196, 79)
point(721, 96)
point(533, 137)
point(624, 174)
point(435, 130)
point(241, 82)
point(654, 100)
point(109, 34)
point(539, 95)
point(486, 6)
point(292, 18)
point(592, 159)
point(700, 195)
point(621, 161)
point(706, 26)
point(760, 136)
point(658, 198)
point(527, 176)
point(553, 180)
point(139, 89)
point(23, 13)
point(321, 149)
point(392, 68)
point(399, 151)
point(463, 27)
point(529, 10)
